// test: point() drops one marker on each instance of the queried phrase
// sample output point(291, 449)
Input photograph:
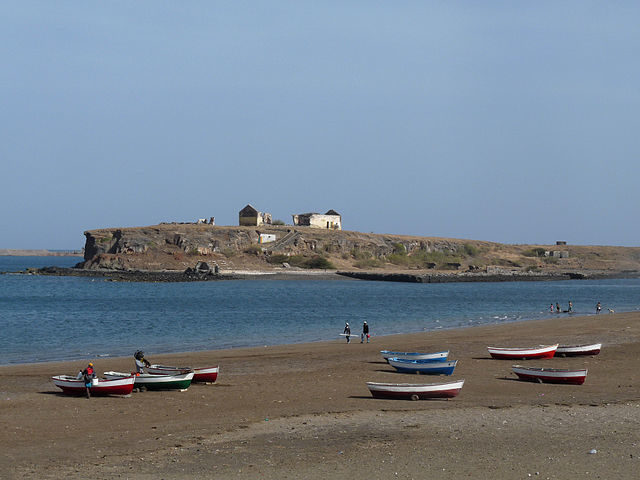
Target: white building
point(331, 220)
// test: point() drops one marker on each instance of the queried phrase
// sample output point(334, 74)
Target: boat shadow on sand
point(369, 397)
point(395, 371)
point(81, 395)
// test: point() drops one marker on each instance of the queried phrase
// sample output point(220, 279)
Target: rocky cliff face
point(179, 246)
point(174, 246)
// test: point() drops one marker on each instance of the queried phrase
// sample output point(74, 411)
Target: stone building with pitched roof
point(250, 217)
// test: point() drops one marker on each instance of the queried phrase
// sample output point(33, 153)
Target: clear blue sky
point(516, 122)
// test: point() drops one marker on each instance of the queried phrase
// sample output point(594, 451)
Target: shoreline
point(212, 352)
point(381, 338)
point(13, 252)
point(194, 276)
point(303, 411)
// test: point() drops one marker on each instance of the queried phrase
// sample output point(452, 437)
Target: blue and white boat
point(431, 357)
point(424, 367)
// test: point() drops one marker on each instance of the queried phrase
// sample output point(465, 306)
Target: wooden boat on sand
point(576, 350)
point(203, 374)
point(413, 391)
point(542, 351)
point(551, 375)
point(156, 382)
point(423, 367)
point(100, 386)
point(433, 357)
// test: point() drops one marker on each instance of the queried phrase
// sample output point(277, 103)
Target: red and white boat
point(551, 375)
point(542, 351)
point(75, 386)
point(415, 391)
point(202, 375)
point(575, 350)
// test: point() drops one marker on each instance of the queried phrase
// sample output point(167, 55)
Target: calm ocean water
point(67, 318)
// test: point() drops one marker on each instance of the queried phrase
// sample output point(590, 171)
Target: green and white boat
point(156, 382)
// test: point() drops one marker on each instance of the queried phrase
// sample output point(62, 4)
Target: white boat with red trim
point(551, 375)
point(202, 374)
point(576, 350)
point(434, 357)
point(100, 386)
point(415, 391)
point(542, 351)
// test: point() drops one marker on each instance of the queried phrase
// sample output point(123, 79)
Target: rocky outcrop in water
point(177, 247)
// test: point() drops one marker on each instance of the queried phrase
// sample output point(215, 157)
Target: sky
point(513, 122)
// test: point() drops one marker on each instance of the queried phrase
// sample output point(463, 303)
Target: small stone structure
point(331, 220)
point(250, 217)
point(266, 238)
point(557, 253)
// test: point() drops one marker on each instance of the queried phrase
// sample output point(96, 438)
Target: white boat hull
point(415, 391)
point(543, 351)
point(436, 357)
point(551, 375)
point(575, 350)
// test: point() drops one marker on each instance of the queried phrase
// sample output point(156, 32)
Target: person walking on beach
point(598, 308)
point(88, 374)
point(365, 332)
point(347, 332)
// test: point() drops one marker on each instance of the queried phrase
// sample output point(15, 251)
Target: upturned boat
point(100, 386)
point(424, 367)
point(551, 375)
point(156, 382)
point(542, 351)
point(202, 375)
point(576, 350)
point(415, 391)
point(433, 357)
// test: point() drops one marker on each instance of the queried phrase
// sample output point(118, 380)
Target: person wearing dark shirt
point(365, 332)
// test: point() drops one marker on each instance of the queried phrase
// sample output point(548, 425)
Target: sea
point(45, 318)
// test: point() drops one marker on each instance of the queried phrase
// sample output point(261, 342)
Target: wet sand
point(304, 411)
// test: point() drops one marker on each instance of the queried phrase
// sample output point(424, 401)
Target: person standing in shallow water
point(558, 308)
point(598, 308)
point(365, 332)
point(347, 332)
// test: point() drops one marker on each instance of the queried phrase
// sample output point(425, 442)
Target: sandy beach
point(304, 411)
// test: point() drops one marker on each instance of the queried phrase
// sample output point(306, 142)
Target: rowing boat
point(542, 351)
point(434, 357)
point(576, 350)
point(156, 382)
point(415, 391)
point(100, 386)
point(202, 374)
point(424, 367)
point(551, 375)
